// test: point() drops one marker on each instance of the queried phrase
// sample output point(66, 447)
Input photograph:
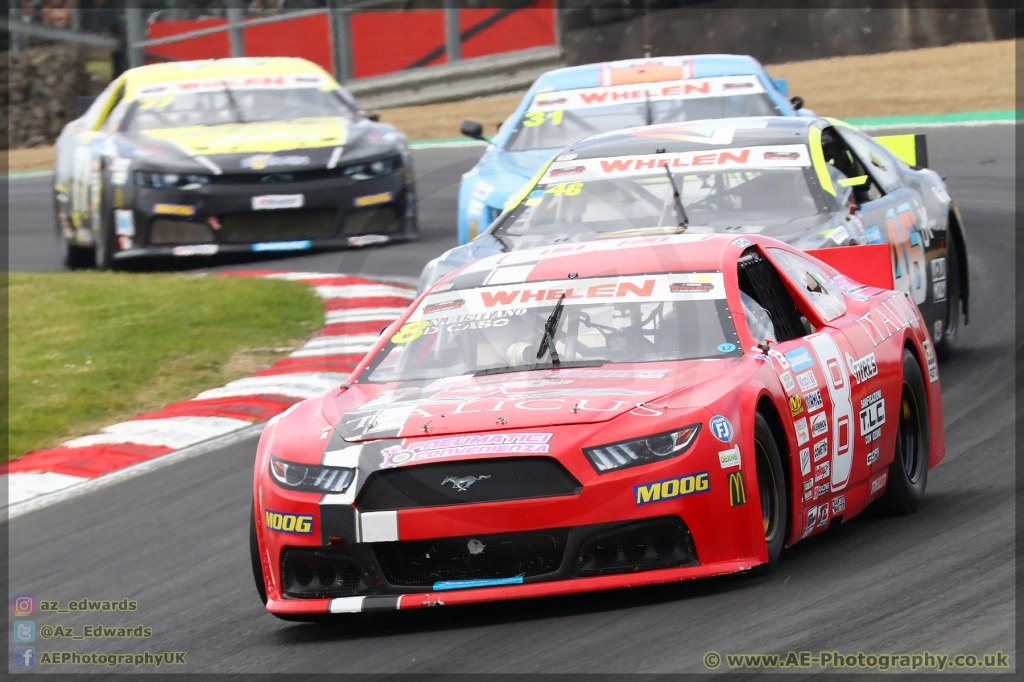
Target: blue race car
point(566, 105)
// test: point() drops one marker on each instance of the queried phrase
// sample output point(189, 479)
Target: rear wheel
point(908, 473)
point(771, 486)
point(945, 346)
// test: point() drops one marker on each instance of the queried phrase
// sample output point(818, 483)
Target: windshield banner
point(638, 93)
point(270, 81)
point(774, 156)
point(514, 298)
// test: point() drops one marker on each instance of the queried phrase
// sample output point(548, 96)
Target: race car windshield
point(558, 119)
point(596, 205)
point(233, 105)
point(494, 329)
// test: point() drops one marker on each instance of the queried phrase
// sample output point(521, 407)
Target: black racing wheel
point(908, 473)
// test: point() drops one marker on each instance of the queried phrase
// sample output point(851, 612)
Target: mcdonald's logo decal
point(737, 491)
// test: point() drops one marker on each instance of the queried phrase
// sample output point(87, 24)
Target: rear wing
point(869, 264)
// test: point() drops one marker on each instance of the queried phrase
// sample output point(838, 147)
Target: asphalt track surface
point(941, 580)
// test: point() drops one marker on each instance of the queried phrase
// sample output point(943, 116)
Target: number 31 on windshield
point(536, 118)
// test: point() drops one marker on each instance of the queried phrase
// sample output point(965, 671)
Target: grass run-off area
point(91, 349)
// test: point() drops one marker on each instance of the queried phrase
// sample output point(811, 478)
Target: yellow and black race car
point(229, 155)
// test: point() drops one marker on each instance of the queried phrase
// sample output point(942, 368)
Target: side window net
point(759, 280)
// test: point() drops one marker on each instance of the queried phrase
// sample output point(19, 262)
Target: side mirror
point(82, 105)
point(797, 101)
point(472, 129)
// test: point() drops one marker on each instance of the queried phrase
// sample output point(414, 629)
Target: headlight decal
point(639, 451)
point(309, 478)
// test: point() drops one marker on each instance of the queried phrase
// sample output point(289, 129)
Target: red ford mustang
point(600, 415)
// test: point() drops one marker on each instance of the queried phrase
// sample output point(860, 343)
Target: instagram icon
point(24, 605)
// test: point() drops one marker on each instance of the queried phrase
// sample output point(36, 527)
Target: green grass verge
point(90, 349)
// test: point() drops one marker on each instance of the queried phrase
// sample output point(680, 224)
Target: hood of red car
point(501, 402)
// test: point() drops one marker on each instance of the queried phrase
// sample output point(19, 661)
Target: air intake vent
point(641, 546)
point(314, 573)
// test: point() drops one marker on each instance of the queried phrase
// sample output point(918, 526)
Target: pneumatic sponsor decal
point(477, 444)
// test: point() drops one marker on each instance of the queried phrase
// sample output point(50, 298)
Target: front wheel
point(254, 554)
point(106, 242)
point(771, 486)
point(908, 473)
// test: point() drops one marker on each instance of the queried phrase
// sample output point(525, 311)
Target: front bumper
point(242, 215)
point(350, 558)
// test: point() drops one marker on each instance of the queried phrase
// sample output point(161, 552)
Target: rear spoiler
point(912, 149)
point(869, 264)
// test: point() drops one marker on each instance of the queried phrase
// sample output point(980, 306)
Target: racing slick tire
point(946, 346)
point(105, 240)
point(74, 257)
point(254, 554)
point(771, 486)
point(908, 473)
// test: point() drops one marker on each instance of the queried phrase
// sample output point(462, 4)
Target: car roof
point(690, 66)
point(218, 68)
point(696, 135)
point(633, 255)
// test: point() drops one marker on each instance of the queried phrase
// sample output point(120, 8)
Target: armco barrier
point(480, 77)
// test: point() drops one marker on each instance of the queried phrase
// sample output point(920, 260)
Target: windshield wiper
point(547, 342)
point(234, 105)
point(540, 365)
point(684, 222)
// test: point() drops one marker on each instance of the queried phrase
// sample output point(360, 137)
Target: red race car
point(600, 415)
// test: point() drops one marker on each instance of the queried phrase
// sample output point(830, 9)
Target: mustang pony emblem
point(463, 483)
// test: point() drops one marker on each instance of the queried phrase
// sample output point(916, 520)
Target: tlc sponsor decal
point(872, 412)
point(671, 488)
point(455, 446)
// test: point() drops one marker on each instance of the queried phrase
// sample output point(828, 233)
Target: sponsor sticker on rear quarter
point(270, 202)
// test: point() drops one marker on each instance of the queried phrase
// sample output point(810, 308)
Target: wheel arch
point(767, 408)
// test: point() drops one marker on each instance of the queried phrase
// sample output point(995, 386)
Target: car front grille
point(381, 220)
point(167, 231)
point(504, 555)
point(466, 482)
point(279, 225)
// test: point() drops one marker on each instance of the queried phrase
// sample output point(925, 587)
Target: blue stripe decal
point(283, 246)
point(464, 584)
